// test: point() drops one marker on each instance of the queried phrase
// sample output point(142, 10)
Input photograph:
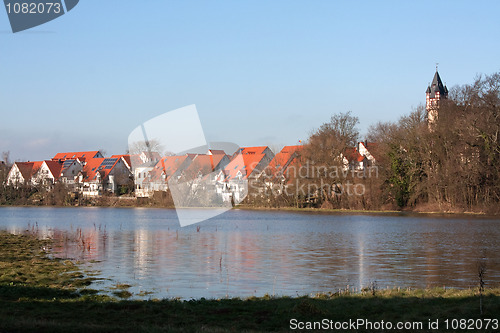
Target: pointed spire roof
point(437, 86)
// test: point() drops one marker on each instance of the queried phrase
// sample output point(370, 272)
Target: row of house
point(89, 173)
point(228, 175)
point(92, 174)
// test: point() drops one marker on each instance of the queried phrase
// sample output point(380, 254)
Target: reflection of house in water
point(361, 261)
point(145, 252)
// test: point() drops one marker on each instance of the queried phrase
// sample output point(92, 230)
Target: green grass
point(39, 294)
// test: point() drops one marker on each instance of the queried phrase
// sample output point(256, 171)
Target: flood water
point(252, 253)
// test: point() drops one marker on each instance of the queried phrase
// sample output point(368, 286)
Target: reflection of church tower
point(435, 92)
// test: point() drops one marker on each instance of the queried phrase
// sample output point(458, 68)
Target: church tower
point(434, 93)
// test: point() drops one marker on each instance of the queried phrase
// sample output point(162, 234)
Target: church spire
point(437, 87)
point(434, 93)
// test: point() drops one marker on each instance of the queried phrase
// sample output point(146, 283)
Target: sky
point(259, 72)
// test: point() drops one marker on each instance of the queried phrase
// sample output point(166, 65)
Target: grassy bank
point(40, 294)
point(369, 212)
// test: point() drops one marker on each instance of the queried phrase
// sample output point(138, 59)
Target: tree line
point(451, 164)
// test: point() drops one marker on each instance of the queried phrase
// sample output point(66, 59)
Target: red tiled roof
point(236, 164)
point(353, 155)
point(250, 150)
point(252, 161)
point(168, 165)
point(284, 159)
point(202, 164)
point(291, 149)
point(55, 168)
point(245, 163)
point(81, 155)
point(91, 168)
point(28, 169)
point(36, 167)
point(284, 156)
point(216, 159)
point(135, 160)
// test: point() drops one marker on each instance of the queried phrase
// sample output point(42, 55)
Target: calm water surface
point(246, 253)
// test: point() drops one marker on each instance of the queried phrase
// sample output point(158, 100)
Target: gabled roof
point(372, 147)
point(55, 168)
point(168, 165)
point(107, 165)
point(28, 169)
point(126, 158)
point(216, 152)
point(243, 163)
point(151, 156)
point(81, 155)
point(135, 161)
point(103, 166)
point(291, 149)
point(250, 150)
point(284, 158)
point(216, 160)
point(66, 164)
point(36, 166)
point(352, 155)
point(91, 168)
point(437, 86)
point(202, 165)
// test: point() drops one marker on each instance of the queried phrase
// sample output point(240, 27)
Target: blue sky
point(259, 72)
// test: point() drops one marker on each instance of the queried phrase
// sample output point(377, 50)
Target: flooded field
point(244, 253)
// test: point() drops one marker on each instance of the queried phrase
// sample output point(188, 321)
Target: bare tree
point(152, 145)
point(6, 158)
point(456, 164)
point(332, 138)
point(323, 156)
